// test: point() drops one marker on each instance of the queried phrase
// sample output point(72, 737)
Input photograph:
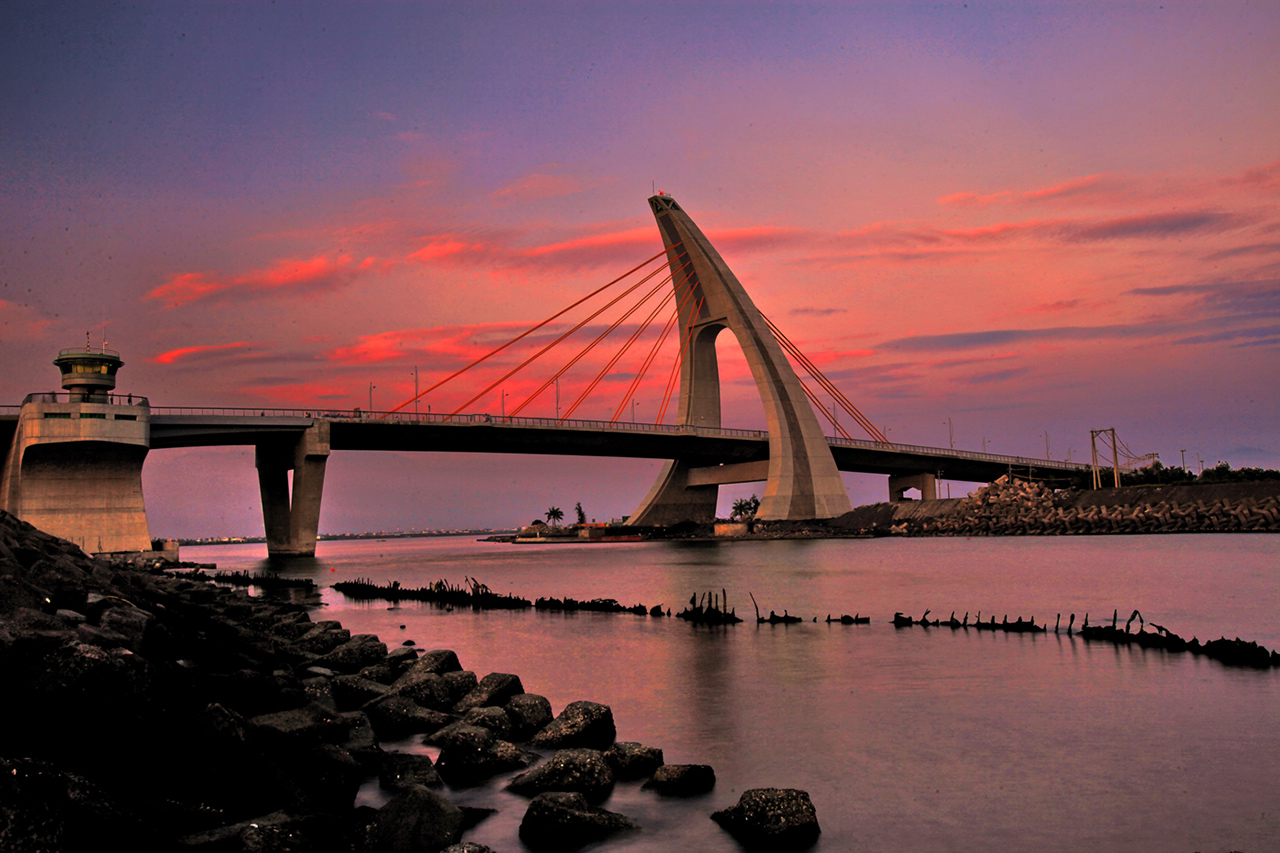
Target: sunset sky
point(1032, 219)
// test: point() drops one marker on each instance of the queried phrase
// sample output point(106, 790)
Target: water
point(921, 739)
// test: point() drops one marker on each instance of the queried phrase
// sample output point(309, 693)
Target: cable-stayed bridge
point(74, 460)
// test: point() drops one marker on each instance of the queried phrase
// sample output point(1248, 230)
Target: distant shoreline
point(330, 537)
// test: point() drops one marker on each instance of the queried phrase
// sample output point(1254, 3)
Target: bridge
point(74, 460)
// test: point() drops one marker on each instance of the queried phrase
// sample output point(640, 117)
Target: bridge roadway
point(742, 453)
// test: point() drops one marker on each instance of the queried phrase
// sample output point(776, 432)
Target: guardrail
point(399, 418)
point(67, 397)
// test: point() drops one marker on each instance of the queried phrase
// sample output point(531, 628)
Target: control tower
point(74, 467)
point(88, 374)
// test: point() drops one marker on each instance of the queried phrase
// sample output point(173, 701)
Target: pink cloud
point(20, 322)
point(285, 277)
point(537, 186)
point(185, 353)
point(1051, 307)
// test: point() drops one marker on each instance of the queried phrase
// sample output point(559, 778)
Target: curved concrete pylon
point(802, 481)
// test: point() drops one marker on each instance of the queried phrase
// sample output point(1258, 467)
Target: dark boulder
point(493, 719)
point(355, 654)
point(354, 691)
point(774, 819)
point(528, 713)
point(631, 760)
point(459, 684)
point(562, 821)
point(424, 687)
point(582, 770)
point(415, 820)
point(682, 780)
point(438, 661)
point(588, 724)
point(398, 716)
point(311, 724)
point(496, 688)
point(401, 769)
point(473, 755)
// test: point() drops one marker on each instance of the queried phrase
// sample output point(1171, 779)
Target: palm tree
point(582, 516)
point(745, 507)
point(554, 515)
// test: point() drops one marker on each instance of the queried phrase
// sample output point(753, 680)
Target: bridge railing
point(489, 419)
point(1016, 461)
point(67, 397)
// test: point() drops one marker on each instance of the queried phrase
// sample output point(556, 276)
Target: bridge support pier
point(292, 525)
point(801, 479)
point(925, 482)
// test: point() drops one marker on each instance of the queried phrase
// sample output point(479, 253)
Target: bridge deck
point(482, 433)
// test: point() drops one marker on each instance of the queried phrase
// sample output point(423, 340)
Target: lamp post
point(634, 403)
point(415, 392)
point(371, 387)
point(557, 396)
point(1046, 445)
point(951, 435)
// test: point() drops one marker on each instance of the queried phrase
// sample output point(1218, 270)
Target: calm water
point(918, 739)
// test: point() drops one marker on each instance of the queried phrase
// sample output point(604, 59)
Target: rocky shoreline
point(155, 712)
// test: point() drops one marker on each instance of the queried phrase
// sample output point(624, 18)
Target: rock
point(323, 637)
point(354, 691)
point(588, 724)
point(473, 755)
point(528, 713)
point(459, 684)
point(557, 821)
point(775, 819)
point(631, 760)
point(44, 808)
point(360, 651)
point(310, 723)
point(581, 770)
point(398, 716)
point(493, 719)
point(496, 688)
point(468, 847)
point(682, 780)
point(439, 661)
point(401, 769)
point(424, 687)
point(415, 820)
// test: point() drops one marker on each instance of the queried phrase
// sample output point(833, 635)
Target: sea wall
point(1021, 508)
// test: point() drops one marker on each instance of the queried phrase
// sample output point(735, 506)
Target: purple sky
point(1028, 218)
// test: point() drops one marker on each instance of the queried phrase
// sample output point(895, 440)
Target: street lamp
point(1046, 445)
point(371, 387)
point(951, 434)
point(634, 403)
point(415, 391)
point(557, 396)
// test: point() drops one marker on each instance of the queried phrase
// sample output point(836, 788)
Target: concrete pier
point(293, 524)
point(74, 465)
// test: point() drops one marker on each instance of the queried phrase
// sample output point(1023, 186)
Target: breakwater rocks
point(152, 713)
point(1021, 508)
